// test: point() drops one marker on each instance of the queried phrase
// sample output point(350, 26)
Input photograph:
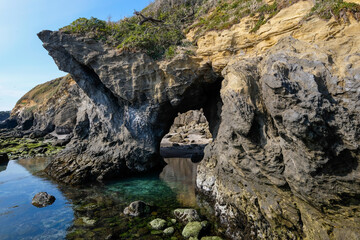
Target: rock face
point(42, 199)
point(130, 104)
point(291, 128)
point(284, 163)
point(49, 108)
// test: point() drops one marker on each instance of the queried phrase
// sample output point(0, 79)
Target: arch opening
point(187, 137)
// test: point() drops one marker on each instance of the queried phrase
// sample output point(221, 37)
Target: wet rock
point(192, 229)
point(186, 215)
point(84, 222)
point(158, 224)
point(61, 142)
point(42, 199)
point(204, 224)
point(38, 134)
point(137, 208)
point(211, 238)
point(156, 232)
point(169, 231)
point(4, 159)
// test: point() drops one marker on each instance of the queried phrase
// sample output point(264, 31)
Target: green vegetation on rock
point(39, 96)
point(337, 9)
point(131, 34)
point(22, 147)
point(160, 36)
point(192, 229)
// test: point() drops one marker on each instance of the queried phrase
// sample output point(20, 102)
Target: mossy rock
point(158, 224)
point(192, 229)
point(84, 222)
point(156, 232)
point(169, 231)
point(211, 238)
point(75, 234)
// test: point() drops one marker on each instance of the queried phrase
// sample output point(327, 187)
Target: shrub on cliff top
point(337, 9)
point(134, 34)
point(171, 19)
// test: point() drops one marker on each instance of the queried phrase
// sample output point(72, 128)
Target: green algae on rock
point(192, 229)
point(158, 224)
point(22, 147)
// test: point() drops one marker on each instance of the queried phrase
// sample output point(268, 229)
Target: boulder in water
point(186, 215)
point(137, 208)
point(42, 199)
point(169, 231)
point(192, 229)
point(158, 224)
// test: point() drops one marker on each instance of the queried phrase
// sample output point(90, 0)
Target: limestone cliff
point(285, 163)
point(282, 104)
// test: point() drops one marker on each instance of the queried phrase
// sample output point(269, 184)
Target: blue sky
point(24, 63)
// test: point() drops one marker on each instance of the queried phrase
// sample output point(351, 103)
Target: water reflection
point(21, 220)
point(90, 212)
point(180, 175)
point(3, 166)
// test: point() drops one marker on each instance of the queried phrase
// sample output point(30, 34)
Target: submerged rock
point(137, 208)
point(169, 231)
point(211, 238)
point(42, 199)
point(186, 215)
point(192, 229)
point(84, 222)
point(158, 224)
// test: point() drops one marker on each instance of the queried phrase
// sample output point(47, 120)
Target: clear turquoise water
point(66, 218)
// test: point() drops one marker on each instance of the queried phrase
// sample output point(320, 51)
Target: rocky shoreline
point(283, 135)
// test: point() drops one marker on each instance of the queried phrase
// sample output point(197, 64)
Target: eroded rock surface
point(286, 156)
point(284, 163)
point(130, 104)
